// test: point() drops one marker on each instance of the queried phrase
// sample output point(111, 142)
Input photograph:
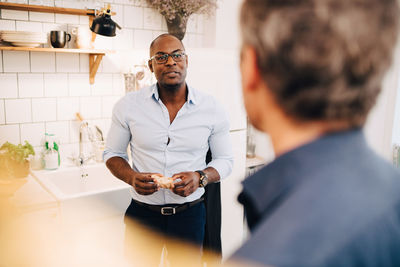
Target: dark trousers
point(187, 225)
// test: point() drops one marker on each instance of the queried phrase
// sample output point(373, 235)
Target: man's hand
point(143, 183)
point(189, 184)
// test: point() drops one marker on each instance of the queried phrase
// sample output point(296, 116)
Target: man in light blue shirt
point(170, 126)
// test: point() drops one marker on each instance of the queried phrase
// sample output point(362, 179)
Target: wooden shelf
point(57, 50)
point(49, 9)
point(95, 55)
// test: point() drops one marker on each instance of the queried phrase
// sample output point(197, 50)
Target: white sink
point(86, 193)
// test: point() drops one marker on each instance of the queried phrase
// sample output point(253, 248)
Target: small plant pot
point(13, 169)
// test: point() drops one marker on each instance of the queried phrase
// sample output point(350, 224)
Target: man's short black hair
point(162, 36)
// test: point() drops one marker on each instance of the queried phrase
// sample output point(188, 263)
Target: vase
point(177, 26)
point(10, 169)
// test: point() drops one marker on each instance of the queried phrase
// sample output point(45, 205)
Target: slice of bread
point(163, 182)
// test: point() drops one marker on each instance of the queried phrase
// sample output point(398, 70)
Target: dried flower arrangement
point(177, 12)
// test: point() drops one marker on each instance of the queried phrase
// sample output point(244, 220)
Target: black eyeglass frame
point(182, 53)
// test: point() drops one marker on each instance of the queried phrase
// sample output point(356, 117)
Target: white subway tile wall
point(33, 132)
point(67, 107)
point(43, 62)
point(2, 114)
point(55, 84)
point(67, 19)
point(142, 38)
point(133, 17)
point(74, 131)
point(119, 16)
point(103, 42)
point(29, 26)
point(16, 61)
point(67, 62)
point(124, 39)
point(44, 109)
point(192, 24)
point(118, 85)
point(103, 85)
point(79, 84)
point(8, 85)
point(108, 104)
point(110, 64)
point(60, 129)
point(90, 107)
point(40, 16)
point(84, 20)
point(18, 110)
point(84, 63)
point(7, 25)
point(41, 92)
point(152, 19)
point(47, 27)
point(14, 14)
point(30, 85)
point(9, 133)
point(42, 2)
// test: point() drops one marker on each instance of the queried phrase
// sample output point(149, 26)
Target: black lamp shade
point(104, 25)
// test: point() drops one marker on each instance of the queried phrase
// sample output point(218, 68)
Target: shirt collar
point(153, 92)
point(275, 181)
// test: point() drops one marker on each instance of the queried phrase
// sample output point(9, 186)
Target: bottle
point(36, 161)
point(51, 155)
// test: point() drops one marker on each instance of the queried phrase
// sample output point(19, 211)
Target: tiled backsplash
point(41, 92)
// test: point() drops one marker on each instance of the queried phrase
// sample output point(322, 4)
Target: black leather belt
point(170, 209)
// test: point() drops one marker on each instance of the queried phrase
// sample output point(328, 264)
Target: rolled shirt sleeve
point(220, 144)
point(119, 134)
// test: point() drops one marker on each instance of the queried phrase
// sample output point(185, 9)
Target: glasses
point(163, 58)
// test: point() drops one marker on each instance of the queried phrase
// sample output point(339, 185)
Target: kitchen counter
point(255, 161)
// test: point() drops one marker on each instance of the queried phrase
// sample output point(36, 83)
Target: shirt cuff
point(107, 154)
point(223, 167)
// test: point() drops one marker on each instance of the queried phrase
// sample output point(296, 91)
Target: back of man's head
point(322, 59)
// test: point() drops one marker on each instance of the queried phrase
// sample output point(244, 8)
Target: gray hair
point(322, 59)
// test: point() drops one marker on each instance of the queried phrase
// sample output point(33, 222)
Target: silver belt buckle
point(168, 210)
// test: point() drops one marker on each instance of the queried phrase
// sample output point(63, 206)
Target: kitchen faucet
point(84, 127)
point(83, 130)
point(82, 159)
point(93, 134)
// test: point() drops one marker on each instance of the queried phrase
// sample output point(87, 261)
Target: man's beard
point(172, 88)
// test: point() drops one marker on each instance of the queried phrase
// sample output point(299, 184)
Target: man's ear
point(150, 64)
point(251, 76)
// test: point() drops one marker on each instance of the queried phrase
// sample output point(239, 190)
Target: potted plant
point(14, 165)
point(177, 12)
point(14, 160)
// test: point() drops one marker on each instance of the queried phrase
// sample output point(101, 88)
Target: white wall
point(382, 127)
point(227, 24)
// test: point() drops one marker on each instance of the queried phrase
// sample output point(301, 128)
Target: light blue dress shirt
point(142, 120)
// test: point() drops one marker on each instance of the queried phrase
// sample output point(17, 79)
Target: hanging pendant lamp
point(103, 24)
